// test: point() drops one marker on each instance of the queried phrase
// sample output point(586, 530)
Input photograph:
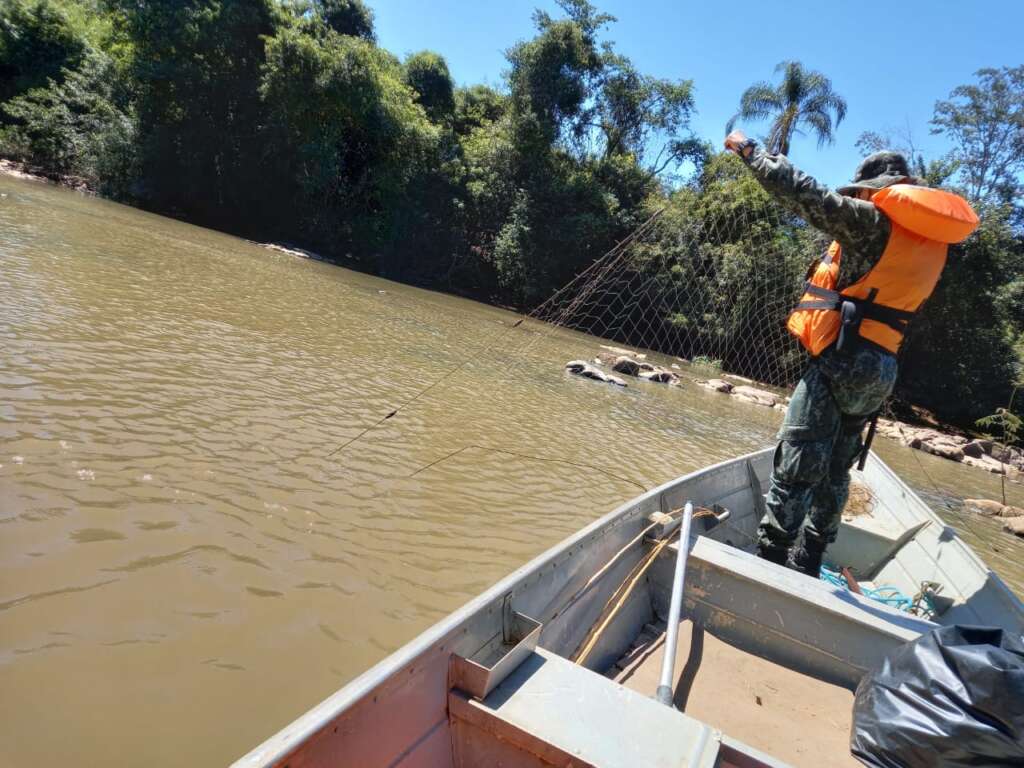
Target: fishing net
point(708, 281)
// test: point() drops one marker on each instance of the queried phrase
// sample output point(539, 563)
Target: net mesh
point(712, 284)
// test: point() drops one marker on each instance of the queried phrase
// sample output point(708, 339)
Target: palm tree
point(803, 98)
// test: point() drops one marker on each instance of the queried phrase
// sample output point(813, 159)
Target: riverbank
point(29, 173)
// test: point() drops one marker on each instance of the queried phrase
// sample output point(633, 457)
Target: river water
point(186, 566)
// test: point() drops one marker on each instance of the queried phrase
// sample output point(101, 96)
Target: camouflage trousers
point(819, 442)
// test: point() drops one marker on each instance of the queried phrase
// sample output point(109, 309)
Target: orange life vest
point(878, 307)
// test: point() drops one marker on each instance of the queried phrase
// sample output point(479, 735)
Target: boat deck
point(791, 716)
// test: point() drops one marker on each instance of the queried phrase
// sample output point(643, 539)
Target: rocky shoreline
point(29, 173)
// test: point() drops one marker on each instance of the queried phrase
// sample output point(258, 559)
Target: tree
point(552, 74)
point(985, 122)
point(347, 17)
point(427, 74)
point(562, 167)
point(346, 138)
point(37, 42)
point(196, 65)
point(633, 108)
point(80, 125)
point(803, 98)
point(477, 106)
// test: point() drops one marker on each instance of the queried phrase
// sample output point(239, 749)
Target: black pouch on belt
point(849, 329)
point(851, 312)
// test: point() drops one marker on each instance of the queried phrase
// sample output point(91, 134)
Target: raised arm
point(861, 229)
point(844, 218)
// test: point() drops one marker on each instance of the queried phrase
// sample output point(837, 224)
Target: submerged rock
point(985, 462)
point(619, 351)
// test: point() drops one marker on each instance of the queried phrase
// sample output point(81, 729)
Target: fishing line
point(942, 496)
point(422, 392)
point(960, 514)
point(592, 274)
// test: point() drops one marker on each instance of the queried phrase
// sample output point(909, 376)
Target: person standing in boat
point(890, 241)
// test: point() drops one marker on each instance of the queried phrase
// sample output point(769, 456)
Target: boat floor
point(794, 718)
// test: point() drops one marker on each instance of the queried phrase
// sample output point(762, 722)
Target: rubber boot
point(775, 555)
point(807, 557)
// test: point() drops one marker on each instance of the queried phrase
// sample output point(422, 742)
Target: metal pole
point(664, 694)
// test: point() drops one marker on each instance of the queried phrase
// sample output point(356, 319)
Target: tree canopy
point(985, 121)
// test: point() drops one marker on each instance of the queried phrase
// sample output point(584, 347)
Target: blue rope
point(883, 594)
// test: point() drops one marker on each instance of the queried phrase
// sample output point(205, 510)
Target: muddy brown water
point(186, 568)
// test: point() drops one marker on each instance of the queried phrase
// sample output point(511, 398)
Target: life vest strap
point(897, 319)
point(816, 304)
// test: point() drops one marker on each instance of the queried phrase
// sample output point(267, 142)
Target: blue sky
point(890, 61)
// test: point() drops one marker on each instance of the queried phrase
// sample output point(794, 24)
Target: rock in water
point(662, 377)
point(977, 448)
point(626, 365)
point(754, 395)
point(583, 368)
point(717, 385)
point(991, 508)
point(946, 449)
point(1014, 525)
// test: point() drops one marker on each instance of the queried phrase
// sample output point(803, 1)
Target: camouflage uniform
point(820, 438)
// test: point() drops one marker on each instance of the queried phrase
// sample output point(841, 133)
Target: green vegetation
point(285, 120)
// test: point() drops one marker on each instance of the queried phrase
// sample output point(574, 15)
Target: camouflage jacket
point(859, 227)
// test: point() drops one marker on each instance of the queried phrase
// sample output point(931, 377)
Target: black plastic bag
point(954, 697)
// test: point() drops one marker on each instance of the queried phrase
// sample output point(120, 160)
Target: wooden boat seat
point(551, 712)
